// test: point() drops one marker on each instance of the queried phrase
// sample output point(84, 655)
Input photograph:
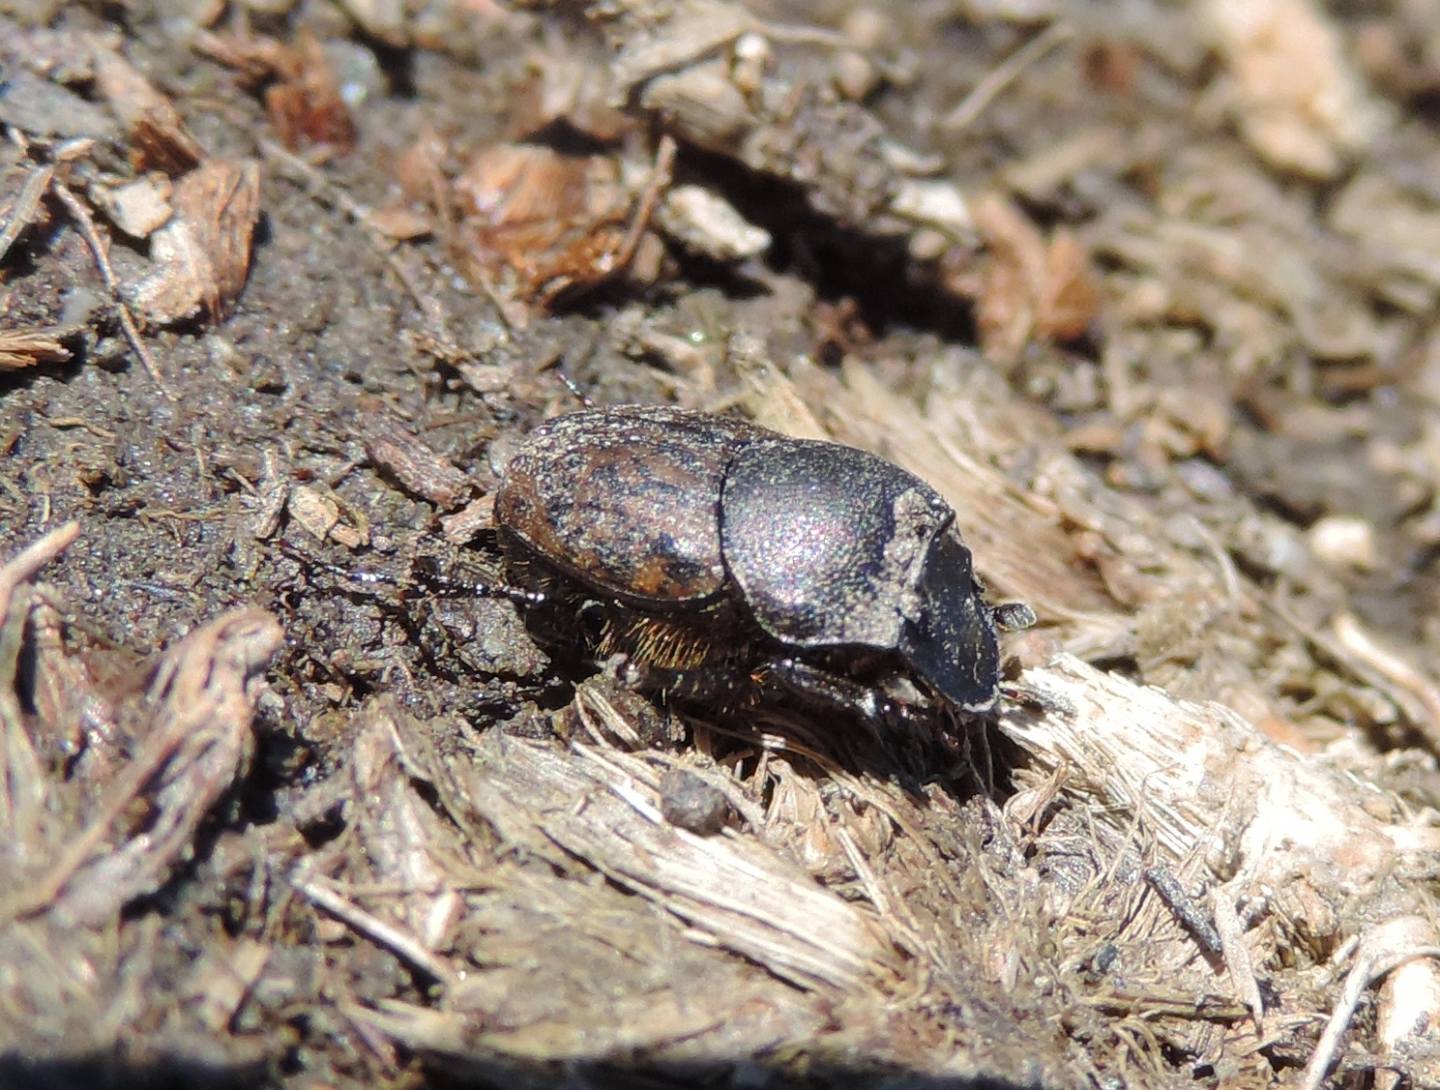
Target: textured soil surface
point(1146, 291)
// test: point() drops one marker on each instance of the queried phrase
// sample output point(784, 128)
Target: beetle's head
point(950, 641)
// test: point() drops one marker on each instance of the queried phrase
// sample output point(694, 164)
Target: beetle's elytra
point(726, 560)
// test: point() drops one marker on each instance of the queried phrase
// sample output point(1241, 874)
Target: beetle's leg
point(571, 385)
point(368, 577)
point(811, 683)
point(428, 569)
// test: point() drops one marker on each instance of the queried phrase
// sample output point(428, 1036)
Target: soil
point(1147, 291)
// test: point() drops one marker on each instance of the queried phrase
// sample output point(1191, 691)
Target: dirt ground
point(1146, 290)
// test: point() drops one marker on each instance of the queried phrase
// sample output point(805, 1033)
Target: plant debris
point(202, 253)
point(294, 794)
point(21, 348)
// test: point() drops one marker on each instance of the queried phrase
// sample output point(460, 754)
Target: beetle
point(725, 561)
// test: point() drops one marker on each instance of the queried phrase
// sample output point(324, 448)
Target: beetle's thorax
point(826, 543)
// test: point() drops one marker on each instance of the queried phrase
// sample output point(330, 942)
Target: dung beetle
point(728, 562)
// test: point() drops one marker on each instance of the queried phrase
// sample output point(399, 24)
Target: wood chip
point(1029, 287)
point(159, 139)
point(305, 106)
point(543, 220)
point(402, 454)
point(139, 208)
point(401, 222)
point(1298, 101)
point(462, 527)
point(318, 511)
point(707, 224)
point(203, 254)
point(22, 348)
point(25, 209)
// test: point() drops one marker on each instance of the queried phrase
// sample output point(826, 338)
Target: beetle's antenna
point(1013, 616)
point(438, 580)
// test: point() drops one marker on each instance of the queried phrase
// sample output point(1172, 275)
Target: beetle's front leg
point(813, 685)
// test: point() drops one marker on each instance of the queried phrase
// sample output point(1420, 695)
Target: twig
point(398, 942)
point(81, 215)
point(792, 34)
point(23, 212)
point(32, 558)
point(1374, 962)
point(656, 184)
point(1004, 74)
point(1186, 908)
point(19, 765)
point(1237, 955)
point(1354, 638)
point(12, 574)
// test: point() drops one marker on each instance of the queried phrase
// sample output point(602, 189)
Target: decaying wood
point(21, 212)
point(418, 469)
point(320, 512)
point(1401, 951)
point(200, 701)
point(707, 224)
point(746, 898)
point(1294, 853)
point(22, 790)
point(1331, 858)
point(1200, 780)
point(1297, 99)
point(202, 255)
point(159, 136)
point(22, 348)
point(749, 935)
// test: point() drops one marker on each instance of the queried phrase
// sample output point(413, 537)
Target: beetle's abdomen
point(626, 503)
